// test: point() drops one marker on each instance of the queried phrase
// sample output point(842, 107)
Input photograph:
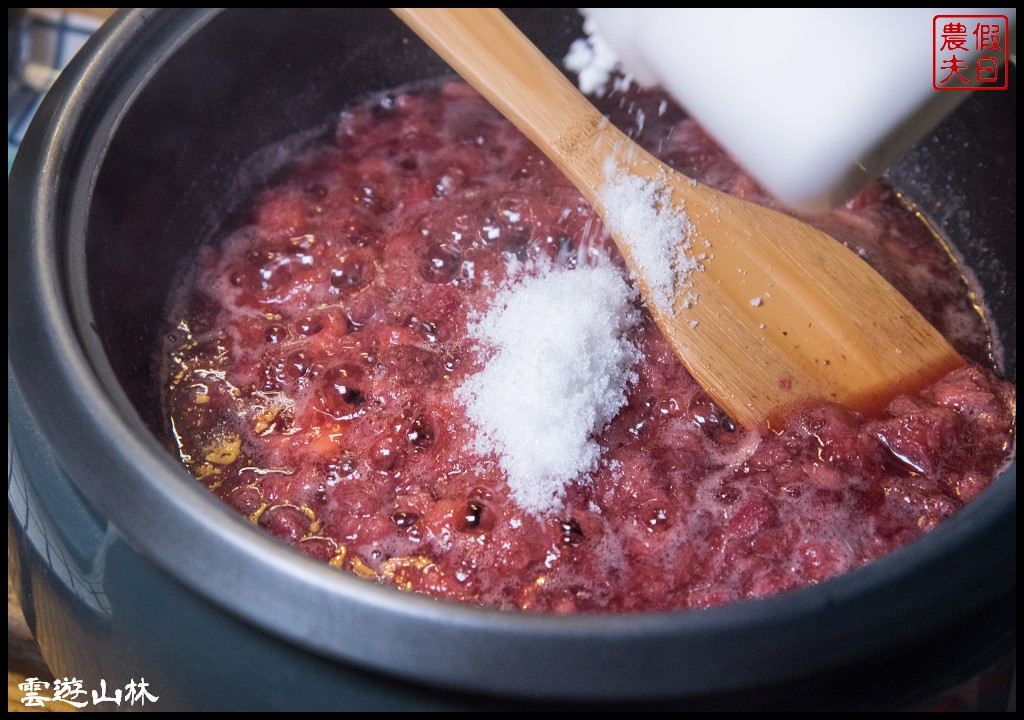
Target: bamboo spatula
point(778, 314)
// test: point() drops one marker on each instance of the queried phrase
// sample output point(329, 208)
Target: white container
point(813, 103)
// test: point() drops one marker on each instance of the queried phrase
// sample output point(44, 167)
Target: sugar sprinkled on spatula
point(643, 213)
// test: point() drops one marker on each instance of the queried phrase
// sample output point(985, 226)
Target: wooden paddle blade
point(781, 314)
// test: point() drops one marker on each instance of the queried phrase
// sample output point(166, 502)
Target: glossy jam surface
point(318, 345)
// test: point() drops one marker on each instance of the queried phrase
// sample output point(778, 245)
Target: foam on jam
point(319, 346)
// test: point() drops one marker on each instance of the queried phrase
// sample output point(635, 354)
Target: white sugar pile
point(560, 364)
point(657, 230)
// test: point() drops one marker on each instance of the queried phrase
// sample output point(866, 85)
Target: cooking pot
point(127, 568)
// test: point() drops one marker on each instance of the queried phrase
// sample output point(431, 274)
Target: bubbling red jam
point(312, 374)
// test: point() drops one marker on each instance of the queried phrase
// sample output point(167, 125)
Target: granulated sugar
point(560, 365)
point(593, 59)
point(656, 229)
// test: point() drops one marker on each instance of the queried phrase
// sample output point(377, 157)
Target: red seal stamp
point(969, 52)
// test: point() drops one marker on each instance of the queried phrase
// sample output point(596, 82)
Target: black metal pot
point(128, 568)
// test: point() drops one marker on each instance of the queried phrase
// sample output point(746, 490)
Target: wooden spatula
point(776, 314)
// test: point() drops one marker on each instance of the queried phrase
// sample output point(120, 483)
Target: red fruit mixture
point(317, 348)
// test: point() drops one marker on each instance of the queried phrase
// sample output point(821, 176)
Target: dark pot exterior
point(127, 568)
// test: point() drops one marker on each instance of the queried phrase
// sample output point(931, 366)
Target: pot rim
point(120, 467)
